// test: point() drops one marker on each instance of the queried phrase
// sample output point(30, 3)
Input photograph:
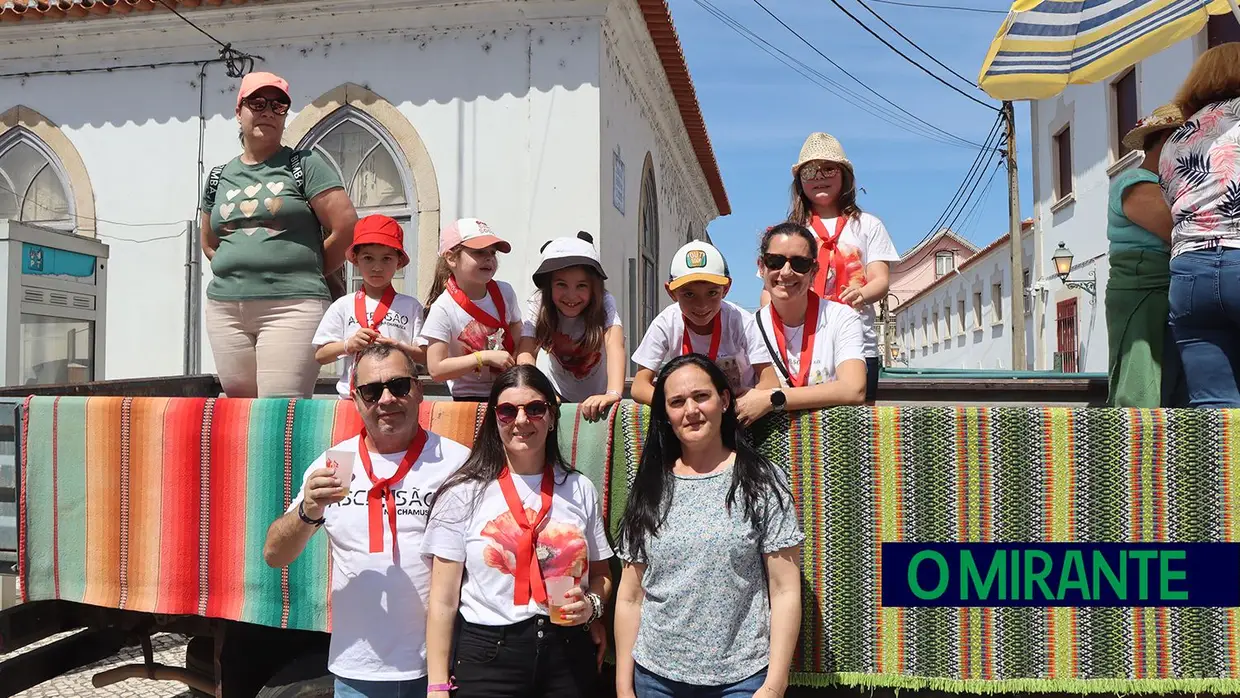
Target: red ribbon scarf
point(385, 304)
point(527, 574)
point(716, 333)
point(808, 332)
point(497, 297)
point(381, 492)
point(826, 256)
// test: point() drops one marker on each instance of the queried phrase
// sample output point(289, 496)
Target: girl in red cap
point(375, 312)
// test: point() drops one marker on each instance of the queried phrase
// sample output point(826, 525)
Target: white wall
point(1080, 221)
point(507, 107)
point(985, 345)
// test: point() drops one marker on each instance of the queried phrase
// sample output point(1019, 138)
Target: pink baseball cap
point(471, 233)
point(253, 82)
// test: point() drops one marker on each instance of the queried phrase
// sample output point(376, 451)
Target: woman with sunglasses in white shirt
point(816, 345)
point(519, 556)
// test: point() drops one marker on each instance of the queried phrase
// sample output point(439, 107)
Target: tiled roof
point(1025, 226)
point(656, 13)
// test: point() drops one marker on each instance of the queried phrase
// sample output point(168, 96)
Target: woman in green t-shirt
point(1143, 363)
point(264, 215)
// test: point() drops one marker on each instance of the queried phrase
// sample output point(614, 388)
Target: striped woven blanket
point(864, 476)
point(162, 504)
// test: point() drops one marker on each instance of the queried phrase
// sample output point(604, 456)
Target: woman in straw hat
point(1200, 173)
point(1143, 363)
point(854, 247)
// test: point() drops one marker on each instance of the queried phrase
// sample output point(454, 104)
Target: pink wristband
point(446, 687)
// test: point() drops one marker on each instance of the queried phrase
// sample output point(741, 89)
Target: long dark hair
point(548, 323)
point(439, 282)
point(650, 498)
point(487, 458)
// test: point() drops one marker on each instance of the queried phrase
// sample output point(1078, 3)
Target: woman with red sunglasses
point(519, 559)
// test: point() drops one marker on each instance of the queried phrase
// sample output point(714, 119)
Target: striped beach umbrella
point(1046, 45)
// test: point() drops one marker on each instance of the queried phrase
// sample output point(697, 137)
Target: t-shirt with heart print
point(270, 240)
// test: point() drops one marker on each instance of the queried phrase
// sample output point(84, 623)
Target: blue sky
point(759, 111)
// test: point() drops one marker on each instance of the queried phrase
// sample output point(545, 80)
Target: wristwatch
point(778, 401)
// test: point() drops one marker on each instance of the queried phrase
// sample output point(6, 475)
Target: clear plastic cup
point(557, 587)
point(342, 462)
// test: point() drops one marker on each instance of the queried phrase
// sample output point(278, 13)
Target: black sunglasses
point(259, 104)
point(775, 262)
point(535, 410)
point(398, 387)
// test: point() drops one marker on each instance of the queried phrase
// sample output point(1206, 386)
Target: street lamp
point(1063, 267)
point(895, 352)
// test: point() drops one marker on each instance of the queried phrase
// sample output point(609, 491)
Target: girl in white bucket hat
point(854, 248)
point(572, 330)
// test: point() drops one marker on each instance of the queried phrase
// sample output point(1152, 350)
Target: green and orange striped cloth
point(162, 505)
point(863, 476)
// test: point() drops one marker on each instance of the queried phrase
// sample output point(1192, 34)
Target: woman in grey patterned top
point(709, 603)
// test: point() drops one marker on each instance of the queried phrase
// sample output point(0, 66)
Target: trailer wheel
point(304, 677)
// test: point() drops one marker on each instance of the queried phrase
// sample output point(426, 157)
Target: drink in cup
point(557, 587)
point(341, 461)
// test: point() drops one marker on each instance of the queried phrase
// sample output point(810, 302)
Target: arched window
point(32, 189)
point(648, 252)
point(375, 177)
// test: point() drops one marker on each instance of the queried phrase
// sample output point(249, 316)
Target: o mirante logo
point(1061, 574)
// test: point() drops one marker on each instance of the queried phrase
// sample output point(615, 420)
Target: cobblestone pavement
point(169, 649)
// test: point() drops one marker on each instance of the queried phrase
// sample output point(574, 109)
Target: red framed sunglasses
point(535, 411)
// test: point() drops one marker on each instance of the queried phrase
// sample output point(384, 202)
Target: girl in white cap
point(702, 322)
point(472, 321)
point(574, 321)
point(854, 247)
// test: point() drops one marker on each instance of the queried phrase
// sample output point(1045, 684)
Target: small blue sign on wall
point(38, 260)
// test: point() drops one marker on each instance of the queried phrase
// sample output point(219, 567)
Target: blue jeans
point(354, 688)
point(648, 685)
point(1205, 320)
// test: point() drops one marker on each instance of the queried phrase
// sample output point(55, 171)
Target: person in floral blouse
point(1200, 174)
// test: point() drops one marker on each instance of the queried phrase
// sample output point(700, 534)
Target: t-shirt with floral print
point(706, 615)
point(1200, 172)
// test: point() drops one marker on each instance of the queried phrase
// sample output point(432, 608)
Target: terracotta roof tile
point(656, 13)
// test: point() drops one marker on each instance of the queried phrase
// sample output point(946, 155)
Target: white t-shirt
point(379, 608)
point(403, 323)
point(866, 240)
point(838, 339)
point(448, 322)
point(740, 345)
point(484, 538)
point(575, 374)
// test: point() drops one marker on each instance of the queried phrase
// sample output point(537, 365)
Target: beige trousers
point(263, 348)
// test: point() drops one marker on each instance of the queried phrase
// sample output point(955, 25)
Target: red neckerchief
point(808, 330)
point(826, 255)
point(527, 574)
point(497, 297)
point(385, 304)
point(716, 333)
point(381, 491)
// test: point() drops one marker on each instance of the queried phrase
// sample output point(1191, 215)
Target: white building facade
point(1076, 153)
point(543, 118)
point(963, 320)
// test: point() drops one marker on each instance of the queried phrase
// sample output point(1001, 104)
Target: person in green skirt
point(1143, 362)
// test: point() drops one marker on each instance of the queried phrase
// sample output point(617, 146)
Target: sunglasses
point(535, 411)
point(259, 104)
point(775, 262)
point(816, 170)
point(398, 387)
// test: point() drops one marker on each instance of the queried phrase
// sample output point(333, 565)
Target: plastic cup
point(557, 587)
point(342, 462)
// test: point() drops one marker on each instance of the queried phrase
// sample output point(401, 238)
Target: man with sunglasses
point(375, 522)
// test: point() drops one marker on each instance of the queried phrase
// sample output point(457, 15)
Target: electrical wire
point(955, 8)
point(905, 120)
point(237, 62)
point(903, 55)
point(974, 170)
point(976, 203)
point(974, 215)
point(912, 43)
point(109, 69)
point(23, 199)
